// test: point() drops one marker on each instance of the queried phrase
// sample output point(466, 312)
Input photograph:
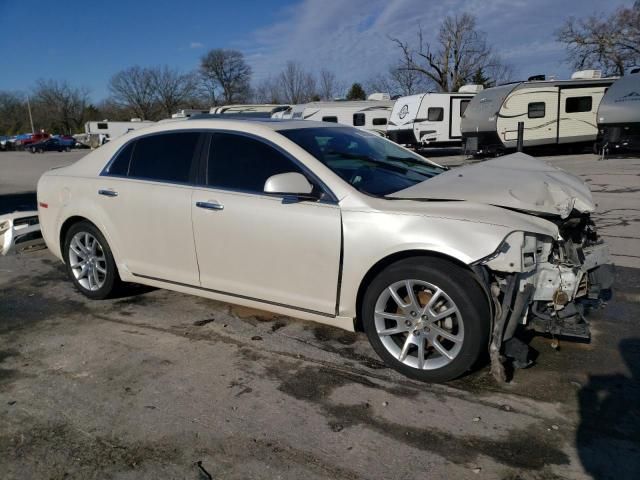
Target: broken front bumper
point(20, 231)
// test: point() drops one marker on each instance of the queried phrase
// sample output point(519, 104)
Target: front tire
point(89, 262)
point(427, 318)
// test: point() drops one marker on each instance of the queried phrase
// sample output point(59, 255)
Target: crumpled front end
point(547, 283)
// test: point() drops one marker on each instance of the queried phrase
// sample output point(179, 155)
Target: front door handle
point(108, 193)
point(210, 205)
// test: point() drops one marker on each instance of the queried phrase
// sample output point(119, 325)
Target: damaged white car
point(339, 226)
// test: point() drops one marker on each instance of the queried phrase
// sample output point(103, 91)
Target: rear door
point(145, 198)
point(264, 247)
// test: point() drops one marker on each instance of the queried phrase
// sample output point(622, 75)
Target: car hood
point(517, 181)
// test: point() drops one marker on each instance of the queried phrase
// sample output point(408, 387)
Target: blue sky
point(86, 42)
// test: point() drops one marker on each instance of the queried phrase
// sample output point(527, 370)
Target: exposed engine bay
point(547, 284)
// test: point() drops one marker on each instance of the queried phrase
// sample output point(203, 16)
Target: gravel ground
point(158, 384)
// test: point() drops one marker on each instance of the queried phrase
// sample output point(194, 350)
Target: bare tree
point(58, 106)
point(328, 86)
point(399, 81)
point(134, 88)
point(13, 113)
point(226, 74)
point(268, 91)
point(173, 89)
point(450, 62)
point(611, 44)
point(298, 86)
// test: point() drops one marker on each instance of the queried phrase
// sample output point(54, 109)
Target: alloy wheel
point(87, 261)
point(419, 324)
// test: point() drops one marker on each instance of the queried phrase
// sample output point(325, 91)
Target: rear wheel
point(89, 261)
point(33, 150)
point(427, 318)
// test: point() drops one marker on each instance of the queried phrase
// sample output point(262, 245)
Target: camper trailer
point(100, 133)
point(430, 119)
point(619, 116)
point(554, 112)
point(371, 115)
point(254, 110)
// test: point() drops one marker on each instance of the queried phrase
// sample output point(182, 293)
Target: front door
point(262, 247)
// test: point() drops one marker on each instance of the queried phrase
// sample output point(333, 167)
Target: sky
point(87, 42)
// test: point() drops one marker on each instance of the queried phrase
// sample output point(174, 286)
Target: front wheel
point(89, 261)
point(427, 318)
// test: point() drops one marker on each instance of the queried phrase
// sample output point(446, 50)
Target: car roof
point(213, 120)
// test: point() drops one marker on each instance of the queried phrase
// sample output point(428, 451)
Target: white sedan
point(335, 225)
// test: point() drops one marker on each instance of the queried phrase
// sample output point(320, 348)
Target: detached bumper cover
point(20, 231)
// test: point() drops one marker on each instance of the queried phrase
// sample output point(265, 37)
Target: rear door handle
point(210, 205)
point(108, 193)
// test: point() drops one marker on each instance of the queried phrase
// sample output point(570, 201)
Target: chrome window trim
point(332, 199)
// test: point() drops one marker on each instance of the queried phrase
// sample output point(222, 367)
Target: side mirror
point(290, 183)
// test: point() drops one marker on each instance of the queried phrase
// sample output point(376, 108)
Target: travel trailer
point(371, 115)
point(430, 119)
point(188, 112)
point(254, 110)
point(100, 133)
point(619, 116)
point(554, 112)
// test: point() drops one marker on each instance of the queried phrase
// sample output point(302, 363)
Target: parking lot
point(158, 384)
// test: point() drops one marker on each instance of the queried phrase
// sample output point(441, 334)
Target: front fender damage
point(544, 284)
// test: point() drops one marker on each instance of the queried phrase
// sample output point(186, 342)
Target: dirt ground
point(158, 384)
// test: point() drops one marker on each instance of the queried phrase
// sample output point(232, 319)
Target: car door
point(145, 197)
point(264, 247)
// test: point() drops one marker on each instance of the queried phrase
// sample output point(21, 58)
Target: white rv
point(250, 110)
point(100, 133)
point(430, 119)
point(188, 113)
point(371, 115)
point(619, 116)
point(554, 112)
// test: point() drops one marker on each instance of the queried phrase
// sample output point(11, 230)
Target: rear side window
point(330, 119)
point(379, 121)
point(463, 106)
point(164, 157)
point(435, 114)
point(358, 119)
point(120, 165)
point(242, 163)
point(536, 110)
point(577, 104)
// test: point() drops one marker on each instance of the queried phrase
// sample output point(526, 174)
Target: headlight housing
point(519, 252)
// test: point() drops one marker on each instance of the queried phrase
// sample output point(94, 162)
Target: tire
point(106, 282)
point(40, 150)
point(446, 288)
point(33, 150)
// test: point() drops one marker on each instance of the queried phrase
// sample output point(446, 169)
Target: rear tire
point(89, 262)
point(445, 321)
point(33, 150)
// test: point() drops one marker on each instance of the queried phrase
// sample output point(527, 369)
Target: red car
point(36, 137)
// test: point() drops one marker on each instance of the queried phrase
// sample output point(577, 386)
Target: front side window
point(536, 110)
point(577, 104)
point(367, 162)
point(358, 119)
point(238, 162)
point(164, 157)
point(435, 114)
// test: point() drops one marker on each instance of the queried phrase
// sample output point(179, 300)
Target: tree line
point(458, 55)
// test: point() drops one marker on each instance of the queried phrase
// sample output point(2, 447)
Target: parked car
point(48, 145)
point(336, 225)
point(25, 141)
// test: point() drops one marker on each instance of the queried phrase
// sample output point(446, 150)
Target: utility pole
point(30, 117)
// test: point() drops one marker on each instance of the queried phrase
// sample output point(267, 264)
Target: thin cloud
point(352, 38)
point(196, 45)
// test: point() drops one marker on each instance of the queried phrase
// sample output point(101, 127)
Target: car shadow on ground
point(608, 437)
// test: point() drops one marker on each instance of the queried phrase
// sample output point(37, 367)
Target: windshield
point(366, 161)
